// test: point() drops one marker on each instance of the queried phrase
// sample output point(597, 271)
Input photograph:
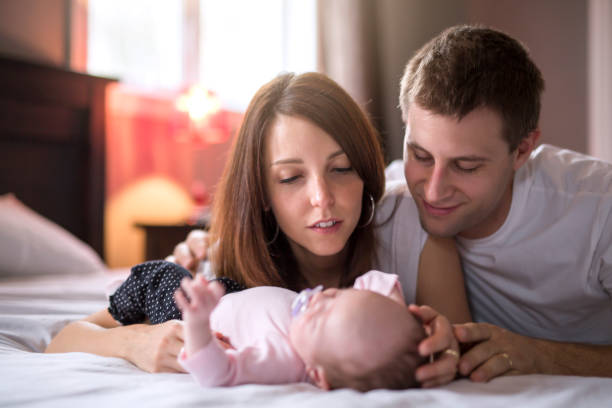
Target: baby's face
point(344, 324)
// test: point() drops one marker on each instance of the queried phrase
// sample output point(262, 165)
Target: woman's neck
point(320, 270)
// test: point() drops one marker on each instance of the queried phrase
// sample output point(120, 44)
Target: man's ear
point(317, 374)
point(525, 147)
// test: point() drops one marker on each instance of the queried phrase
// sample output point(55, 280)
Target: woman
point(294, 209)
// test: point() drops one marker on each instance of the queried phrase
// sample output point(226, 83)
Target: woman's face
point(313, 190)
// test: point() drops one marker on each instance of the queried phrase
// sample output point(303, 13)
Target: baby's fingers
point(181, 301)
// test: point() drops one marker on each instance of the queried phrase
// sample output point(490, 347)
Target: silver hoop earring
point(371, 217)
point(275, 235)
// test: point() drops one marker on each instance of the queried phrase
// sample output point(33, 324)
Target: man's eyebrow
point(469, 158)
point(300, 161)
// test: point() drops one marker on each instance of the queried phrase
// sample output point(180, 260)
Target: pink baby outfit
point(256, 320)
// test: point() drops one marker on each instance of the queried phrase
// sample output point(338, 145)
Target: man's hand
point(441, 342)
point(495, 351)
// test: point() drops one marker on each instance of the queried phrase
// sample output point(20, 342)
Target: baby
point(361, 338)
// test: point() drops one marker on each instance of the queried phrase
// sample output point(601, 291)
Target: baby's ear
point(317, 374)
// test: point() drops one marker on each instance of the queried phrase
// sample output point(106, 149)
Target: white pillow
point(31, 244)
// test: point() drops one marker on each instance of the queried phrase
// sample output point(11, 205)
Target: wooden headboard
point(52, 144)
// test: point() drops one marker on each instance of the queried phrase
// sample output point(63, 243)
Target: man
point(533, 226)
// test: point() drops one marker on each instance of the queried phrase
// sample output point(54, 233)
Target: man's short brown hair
point(468, 67)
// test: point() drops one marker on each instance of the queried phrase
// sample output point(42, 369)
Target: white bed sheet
point(32, 310)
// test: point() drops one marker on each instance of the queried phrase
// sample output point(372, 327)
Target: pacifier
point(300, 303)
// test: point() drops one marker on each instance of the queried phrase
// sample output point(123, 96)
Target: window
point(242, 43)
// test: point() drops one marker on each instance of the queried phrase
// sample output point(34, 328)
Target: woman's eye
point(289, 180)
point(343, 169)
point(421, 158)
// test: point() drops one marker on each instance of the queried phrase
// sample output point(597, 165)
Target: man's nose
point(437, 187)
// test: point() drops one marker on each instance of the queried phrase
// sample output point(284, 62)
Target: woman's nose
point(321, 194)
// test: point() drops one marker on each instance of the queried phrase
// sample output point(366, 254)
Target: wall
point(34, 30)
point(555, 32)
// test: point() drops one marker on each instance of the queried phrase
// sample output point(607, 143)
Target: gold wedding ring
point(451, 352)
point(507, 357)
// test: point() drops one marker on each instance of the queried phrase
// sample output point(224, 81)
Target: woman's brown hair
point(246, 248)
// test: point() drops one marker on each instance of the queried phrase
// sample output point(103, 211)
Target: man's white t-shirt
point(547, 272)
point(400, 239)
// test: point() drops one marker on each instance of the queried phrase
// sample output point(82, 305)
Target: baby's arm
point(196, 300)
point(269, 361)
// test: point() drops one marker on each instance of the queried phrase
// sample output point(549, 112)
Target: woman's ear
point(525, 147)
point(317, 374)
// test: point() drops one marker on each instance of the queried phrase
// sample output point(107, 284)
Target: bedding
point(34, 308)
point(31, 244)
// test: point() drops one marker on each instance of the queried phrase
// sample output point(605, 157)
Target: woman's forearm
point(152, 348)
point(97, 334)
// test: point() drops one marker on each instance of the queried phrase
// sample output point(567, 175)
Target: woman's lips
point(326, 227)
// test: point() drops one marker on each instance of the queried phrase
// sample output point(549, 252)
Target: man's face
point(460, 173)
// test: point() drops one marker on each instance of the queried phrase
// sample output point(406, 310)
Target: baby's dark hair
point(395, 372)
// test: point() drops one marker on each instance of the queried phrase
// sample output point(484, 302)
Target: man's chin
point(437, 230)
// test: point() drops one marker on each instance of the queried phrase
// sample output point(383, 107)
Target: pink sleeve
point(379, 282)
point(269, 362)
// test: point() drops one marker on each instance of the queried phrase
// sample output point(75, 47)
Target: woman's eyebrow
point(287, 161)
point(334, 154)
point(300, 161)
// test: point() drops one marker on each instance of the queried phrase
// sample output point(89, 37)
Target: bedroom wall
point(34, 30)
point(555, 31)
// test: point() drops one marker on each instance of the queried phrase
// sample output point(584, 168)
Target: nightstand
point(160, 240)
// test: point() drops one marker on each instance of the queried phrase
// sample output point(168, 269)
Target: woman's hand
point(440, 342)
point(155, 348)
point(192, 251)
point(151, 348)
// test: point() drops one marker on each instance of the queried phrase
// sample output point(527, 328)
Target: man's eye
point(467, 169)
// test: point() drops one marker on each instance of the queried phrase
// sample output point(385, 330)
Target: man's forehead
point(477, 134)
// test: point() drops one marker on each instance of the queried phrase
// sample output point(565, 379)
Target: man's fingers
point(472, 332)
point(495, 366)
point(476, 356)
point(425, 313)
point(441, 338)
point(439, 372)
point(438, 381)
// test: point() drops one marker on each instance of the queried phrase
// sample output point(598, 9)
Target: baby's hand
point(197, 298)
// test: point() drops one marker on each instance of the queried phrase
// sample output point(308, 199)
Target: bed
point(51, 273)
